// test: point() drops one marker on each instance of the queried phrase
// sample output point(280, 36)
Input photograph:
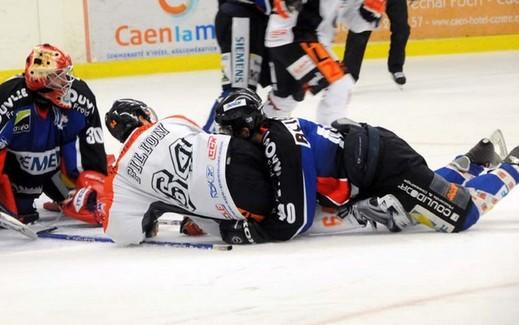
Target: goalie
point(50, 133)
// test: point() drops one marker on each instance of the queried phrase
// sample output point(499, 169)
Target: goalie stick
point(12, 223)
point(48, 234)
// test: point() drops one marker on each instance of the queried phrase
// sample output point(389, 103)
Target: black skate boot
point(488, 152)
point(484, 154)
point(399, 78)
point(513, 157)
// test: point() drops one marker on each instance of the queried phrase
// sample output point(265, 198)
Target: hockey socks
point(486, 190)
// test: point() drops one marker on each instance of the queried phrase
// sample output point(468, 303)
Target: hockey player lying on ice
point(368, 173)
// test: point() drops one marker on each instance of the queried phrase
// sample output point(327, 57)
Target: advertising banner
point(122, 29)
point(136, 29)
point(431, 19)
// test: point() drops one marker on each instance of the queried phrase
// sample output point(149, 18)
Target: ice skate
point(399, 78)
point(489, 152)
point(513, 157)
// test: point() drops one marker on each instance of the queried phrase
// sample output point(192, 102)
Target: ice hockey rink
point(414, 277)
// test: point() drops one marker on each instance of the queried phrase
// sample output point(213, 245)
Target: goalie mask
point(124, 117)
point(48, 72)
point(242, 108)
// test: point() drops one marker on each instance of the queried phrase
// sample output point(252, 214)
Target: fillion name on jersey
point(139, 158)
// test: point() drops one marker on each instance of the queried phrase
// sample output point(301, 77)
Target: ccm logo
point(211, 148)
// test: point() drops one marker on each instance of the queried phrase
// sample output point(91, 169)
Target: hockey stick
point(49, 235)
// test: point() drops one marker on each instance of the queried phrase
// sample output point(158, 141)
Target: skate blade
point(499, 143)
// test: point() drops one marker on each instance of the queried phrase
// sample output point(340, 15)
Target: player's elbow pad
point(243, 232)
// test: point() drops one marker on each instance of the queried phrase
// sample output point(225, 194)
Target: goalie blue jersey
point(35, 141)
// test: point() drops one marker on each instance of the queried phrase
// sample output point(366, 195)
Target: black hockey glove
point(369, 15)
point(242, 232)
point(294, 5)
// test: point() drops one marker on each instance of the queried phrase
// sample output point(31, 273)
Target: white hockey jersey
point(174, 162)
point(318, 16)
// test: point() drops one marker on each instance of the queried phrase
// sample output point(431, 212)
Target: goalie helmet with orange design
point(48, 72)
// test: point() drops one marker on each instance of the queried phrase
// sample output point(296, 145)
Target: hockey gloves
point(372, 10)
point(190, 228)
point(242, 232)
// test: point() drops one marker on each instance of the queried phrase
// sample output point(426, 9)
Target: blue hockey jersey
point(37, 139)
point(299, 153)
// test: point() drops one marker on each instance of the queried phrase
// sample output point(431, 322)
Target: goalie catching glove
point(82, 203)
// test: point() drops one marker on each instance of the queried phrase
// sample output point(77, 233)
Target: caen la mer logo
point(22, 121)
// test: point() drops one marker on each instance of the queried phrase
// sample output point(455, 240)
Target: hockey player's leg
point(488, 189)
point(277, 106)
point(285, 94)
point(27, 212)
point(334, 102)
point(487, 153)
point(240, 33)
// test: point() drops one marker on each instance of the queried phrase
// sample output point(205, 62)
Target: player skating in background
point(389, 182)
point(299, 45)
point(240, 30)
point(50, 130)
point(356, 42)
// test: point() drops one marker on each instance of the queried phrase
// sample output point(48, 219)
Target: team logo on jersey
point(223, 211)
point(176, 189)
point(81, 103)
point(60, 119)
point(209, 174)
point(181, 152)
point(38, 163)
point(178, 7)
point(6, 108)
point(211, 148)
point(22, 121)
point(21, 189)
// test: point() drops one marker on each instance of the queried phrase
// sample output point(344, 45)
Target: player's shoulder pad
point(82, 98)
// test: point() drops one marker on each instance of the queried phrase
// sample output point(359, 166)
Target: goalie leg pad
point(6, 195)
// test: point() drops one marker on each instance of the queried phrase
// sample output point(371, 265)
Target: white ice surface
point(415, 277)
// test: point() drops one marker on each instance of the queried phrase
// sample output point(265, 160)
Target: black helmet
point(123, 117)
point(241, 108)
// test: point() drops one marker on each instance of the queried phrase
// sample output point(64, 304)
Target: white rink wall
point(25, 23)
